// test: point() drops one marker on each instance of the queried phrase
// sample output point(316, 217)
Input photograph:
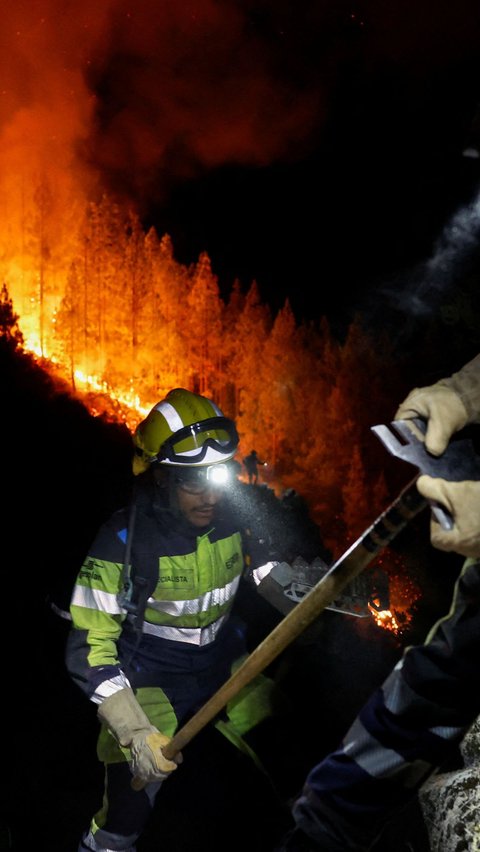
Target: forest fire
point(104, 302)
point(102, 399)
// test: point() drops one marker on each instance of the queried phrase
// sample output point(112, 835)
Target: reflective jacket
point(195, 574)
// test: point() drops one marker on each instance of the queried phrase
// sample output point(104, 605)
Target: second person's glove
point(462, 500)
point(448, 406)
point(441, 407)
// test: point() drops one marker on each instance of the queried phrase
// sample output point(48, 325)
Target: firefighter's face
point(199, 507)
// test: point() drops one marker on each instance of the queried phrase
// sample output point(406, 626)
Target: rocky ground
point(454, 796)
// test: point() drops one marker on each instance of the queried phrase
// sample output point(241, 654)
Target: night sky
point(320, 148)
point(313, 146)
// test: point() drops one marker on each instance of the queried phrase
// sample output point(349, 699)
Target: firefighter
point(416, 720)
point(251, 463)
point(152, 635)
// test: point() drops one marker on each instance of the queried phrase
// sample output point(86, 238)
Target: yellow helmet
point(184, 430)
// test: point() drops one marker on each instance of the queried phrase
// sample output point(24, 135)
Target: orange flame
point(386, 619)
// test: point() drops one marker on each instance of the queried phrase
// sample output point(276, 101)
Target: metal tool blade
point(460, 460)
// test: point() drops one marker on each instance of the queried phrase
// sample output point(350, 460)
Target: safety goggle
point(196, 480)
point(191, 444)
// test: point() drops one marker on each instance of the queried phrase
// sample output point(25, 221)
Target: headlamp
point(195, 480)
point(217, 474)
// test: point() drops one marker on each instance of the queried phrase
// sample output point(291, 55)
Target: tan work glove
point(448, 406)
point(129, 724)
point(442, 408)
point(462, 500)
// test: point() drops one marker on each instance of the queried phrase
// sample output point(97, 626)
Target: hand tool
point(460, 460)
point(383, 530)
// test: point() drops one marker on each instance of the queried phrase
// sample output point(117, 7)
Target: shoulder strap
point(137, 587)
point(127, 584)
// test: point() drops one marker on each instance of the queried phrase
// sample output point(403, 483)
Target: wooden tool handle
point(384, 529)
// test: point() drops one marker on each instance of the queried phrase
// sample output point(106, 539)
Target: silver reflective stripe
point(105, 841)
point(367, 752)
point(447, 733)
point(190, 635)
point(217, 410)
point(171, 415)
point(203, 603)
point(378, 761)
point(262, 571)
point(96, 599)
point(398, 696)
point(59, 611)
point(108, 687)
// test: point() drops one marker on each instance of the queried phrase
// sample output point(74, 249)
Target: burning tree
point(10, 333)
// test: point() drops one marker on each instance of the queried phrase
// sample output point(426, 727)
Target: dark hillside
point(64, 472)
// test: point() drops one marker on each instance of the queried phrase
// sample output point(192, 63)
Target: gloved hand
point(462, 499)
point(441, 407)
point(148, 763)
point(132, 729)
point(448, 406)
